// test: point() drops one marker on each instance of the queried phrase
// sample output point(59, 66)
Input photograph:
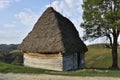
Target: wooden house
point(53, 44)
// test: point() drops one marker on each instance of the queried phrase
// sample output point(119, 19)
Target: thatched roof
point(53, 33)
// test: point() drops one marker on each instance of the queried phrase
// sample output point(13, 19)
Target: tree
point(102, 19)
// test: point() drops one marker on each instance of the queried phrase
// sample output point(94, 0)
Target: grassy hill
point(10, 54)
point(99, 56)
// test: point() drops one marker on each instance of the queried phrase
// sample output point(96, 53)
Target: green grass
point(6, 68)
point(98, 57)
point(9, 68)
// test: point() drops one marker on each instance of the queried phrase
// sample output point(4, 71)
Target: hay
point(53, 33)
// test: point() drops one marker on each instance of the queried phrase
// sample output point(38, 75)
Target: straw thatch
point(53, 33)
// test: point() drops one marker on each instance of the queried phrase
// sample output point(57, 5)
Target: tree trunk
point(110, 39)
point(114, 57)
point(114, 51)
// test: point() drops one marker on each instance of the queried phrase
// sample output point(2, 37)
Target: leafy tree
point(102, 18)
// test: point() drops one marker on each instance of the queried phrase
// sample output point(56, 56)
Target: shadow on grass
point(110, 68)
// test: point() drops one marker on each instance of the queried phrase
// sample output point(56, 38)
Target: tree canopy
point(102, 18)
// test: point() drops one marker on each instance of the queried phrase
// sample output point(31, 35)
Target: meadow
point(98, 61)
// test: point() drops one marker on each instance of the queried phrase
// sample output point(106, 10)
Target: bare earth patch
point(13, 76)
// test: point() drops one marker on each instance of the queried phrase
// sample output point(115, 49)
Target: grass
point(99, 56)
point(98, 60)
point(9, 68)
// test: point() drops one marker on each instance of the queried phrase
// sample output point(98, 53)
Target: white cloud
point(70, 3)
point(9, 25)
point(27, 17)
point(72, 9)
point(11, 37)
point(4, 3)
point(7, 3)
point(98, 40)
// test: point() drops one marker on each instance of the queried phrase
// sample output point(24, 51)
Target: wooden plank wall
point(45, 61)
point(54, 61)
point(70, 62)
point(82, 60)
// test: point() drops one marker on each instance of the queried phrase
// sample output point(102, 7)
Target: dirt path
point(11, 76)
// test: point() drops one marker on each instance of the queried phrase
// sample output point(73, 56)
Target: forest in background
point(10, 54)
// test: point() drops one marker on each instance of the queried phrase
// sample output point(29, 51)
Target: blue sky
point(17, 17)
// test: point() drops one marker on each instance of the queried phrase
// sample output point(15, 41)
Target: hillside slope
point(10, 54)
point(99, 56)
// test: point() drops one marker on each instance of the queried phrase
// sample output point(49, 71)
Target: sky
point(17, 17)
